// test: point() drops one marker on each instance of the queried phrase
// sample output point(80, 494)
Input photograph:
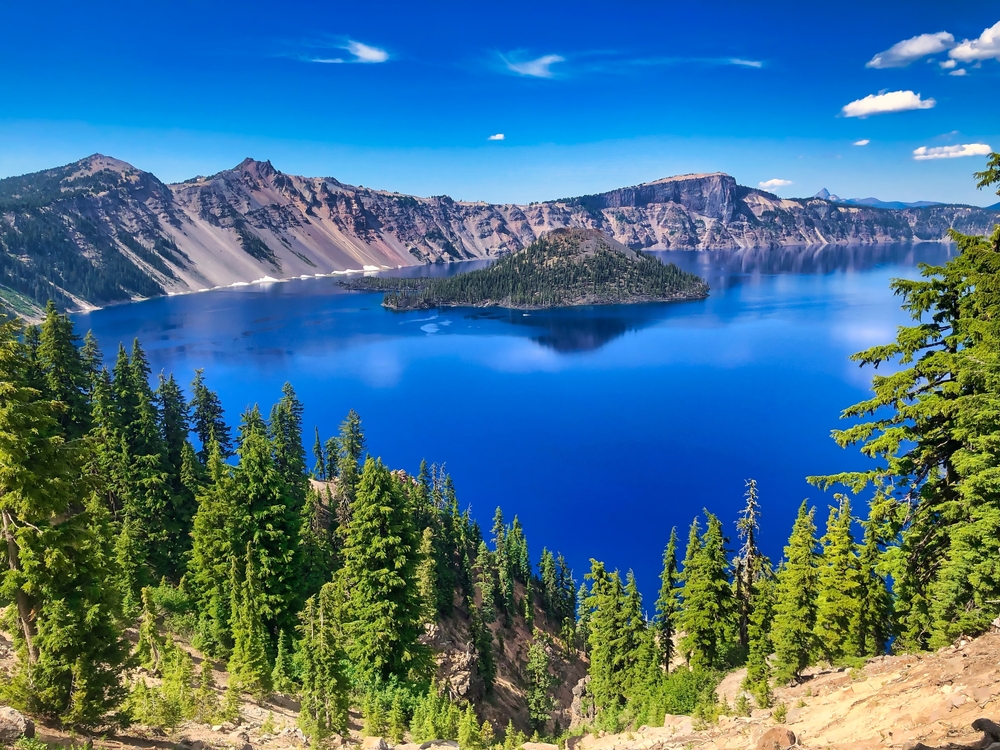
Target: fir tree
point(66, 379)
point(324, 684)
point(249, 666)
point(319, 468)
point(350, 450)
point(838, 602)
point(207, 420)
point(426, 579)
point(282, 676)
point(750, 561)
point(380, 563)
point(758, 678)
point(875, 603)
point(63, 615)
point(792, 629)
point(666, 604)
point(707, 615)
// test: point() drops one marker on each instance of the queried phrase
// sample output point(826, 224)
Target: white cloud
point(951, 152)
point(775, 183)
point(987, 46)
point(746, 63)
point(959, 72)
point(540, 67)
point(903, 53)
point(862, 142)
point(363, 53)
point(496, 137)
point(893, 101)
point(947, 64)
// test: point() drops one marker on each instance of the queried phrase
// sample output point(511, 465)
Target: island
point(563, 268)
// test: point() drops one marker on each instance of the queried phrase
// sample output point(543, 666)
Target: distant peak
point(262, 168)
point(826, 195)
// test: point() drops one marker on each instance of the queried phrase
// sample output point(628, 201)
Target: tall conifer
point(792, 630)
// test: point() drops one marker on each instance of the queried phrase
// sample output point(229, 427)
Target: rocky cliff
point(101, 231)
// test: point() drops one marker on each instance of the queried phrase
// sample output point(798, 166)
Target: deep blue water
point(600, 427)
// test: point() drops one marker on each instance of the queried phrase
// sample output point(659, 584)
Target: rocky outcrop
point(14, 725)
point(100, 230)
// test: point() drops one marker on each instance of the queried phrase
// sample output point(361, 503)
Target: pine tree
point(758, 678)
point(426, 579)
point(468, 730)
point(149, 650)
point(180, 510)
point(282, 676)
point(272, 528)
point(380, 564)
point(65, 376)
point(206, 699)
point(792, 629)
point(91, 358)
point(319, 468)
point(350, 450)
point(666, 604)
point(707, 616)
point(315, 544)
point(750, 562)
point(249, 666)
point(217, 527)
point(285, 427)
point(838, 600)
point(207, 420)
point(63, 615)
point(875, 603)
point(324, 684)
point(607, 620)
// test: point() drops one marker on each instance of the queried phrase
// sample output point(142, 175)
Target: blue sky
point(588, 96)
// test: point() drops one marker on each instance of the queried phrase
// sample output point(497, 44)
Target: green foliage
point(382, 612)
point(249, 666)
point(569, 266)
point(325, 687)
point(780, 713)
point(667, 604)
point(838, 604)
point(793, 627)
point(707, 618)
point(540, 682)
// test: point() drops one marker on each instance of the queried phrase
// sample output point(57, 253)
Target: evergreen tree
point(426, 579)
point(350, 450)
point(91, 358)
point(758, 678)
point(149, 650)
point(285, 427)
point(468, 730)
point(792, 629)
point(666, 604)
point(207, 420)
point(249, 666)
point(319, 468)
point(63, 615)
point(217, 527)
point(380, 563)
point(875, 603)
point(315, 544)
point(282, 676)
point(182, 475)
point(750, 562)
point(838, 600)
point(66, 379)
point(707, 615)
point(272, 526)
point(538, 693)
point(324, 684)
point(606, 621)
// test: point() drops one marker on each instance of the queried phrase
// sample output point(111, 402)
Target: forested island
point(142, 532)
point(564, 268)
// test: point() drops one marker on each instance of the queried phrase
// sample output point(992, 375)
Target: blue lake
point(600, 427)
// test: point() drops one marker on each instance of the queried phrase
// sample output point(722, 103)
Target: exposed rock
point(776, 738)
point(679, 725)
point(252, 222)
point(577, 713)
point(374, 743)
point(14, 725)
point(539, 746)
point(442, 744)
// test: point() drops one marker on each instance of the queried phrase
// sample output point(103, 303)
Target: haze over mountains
point(826, 195)
point(100, 231)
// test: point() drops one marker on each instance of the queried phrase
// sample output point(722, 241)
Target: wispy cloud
point(775, 183)
point(910, 50)
point(359, 53)
point(959, 72)
point(862, 142)
point(951, 152)
point(746, 63)
point(540, 67)
point(496, 137)
point(880, 104)
point(986, 47)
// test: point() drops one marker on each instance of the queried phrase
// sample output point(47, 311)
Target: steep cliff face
point(100, 230)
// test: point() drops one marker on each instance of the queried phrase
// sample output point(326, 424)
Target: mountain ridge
point(100, 231)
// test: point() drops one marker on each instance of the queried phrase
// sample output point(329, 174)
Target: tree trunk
point(24, 613)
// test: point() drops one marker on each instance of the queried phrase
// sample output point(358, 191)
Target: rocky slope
point(920, 701)
point(100, 231)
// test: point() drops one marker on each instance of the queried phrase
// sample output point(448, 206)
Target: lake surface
point(601, 427)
